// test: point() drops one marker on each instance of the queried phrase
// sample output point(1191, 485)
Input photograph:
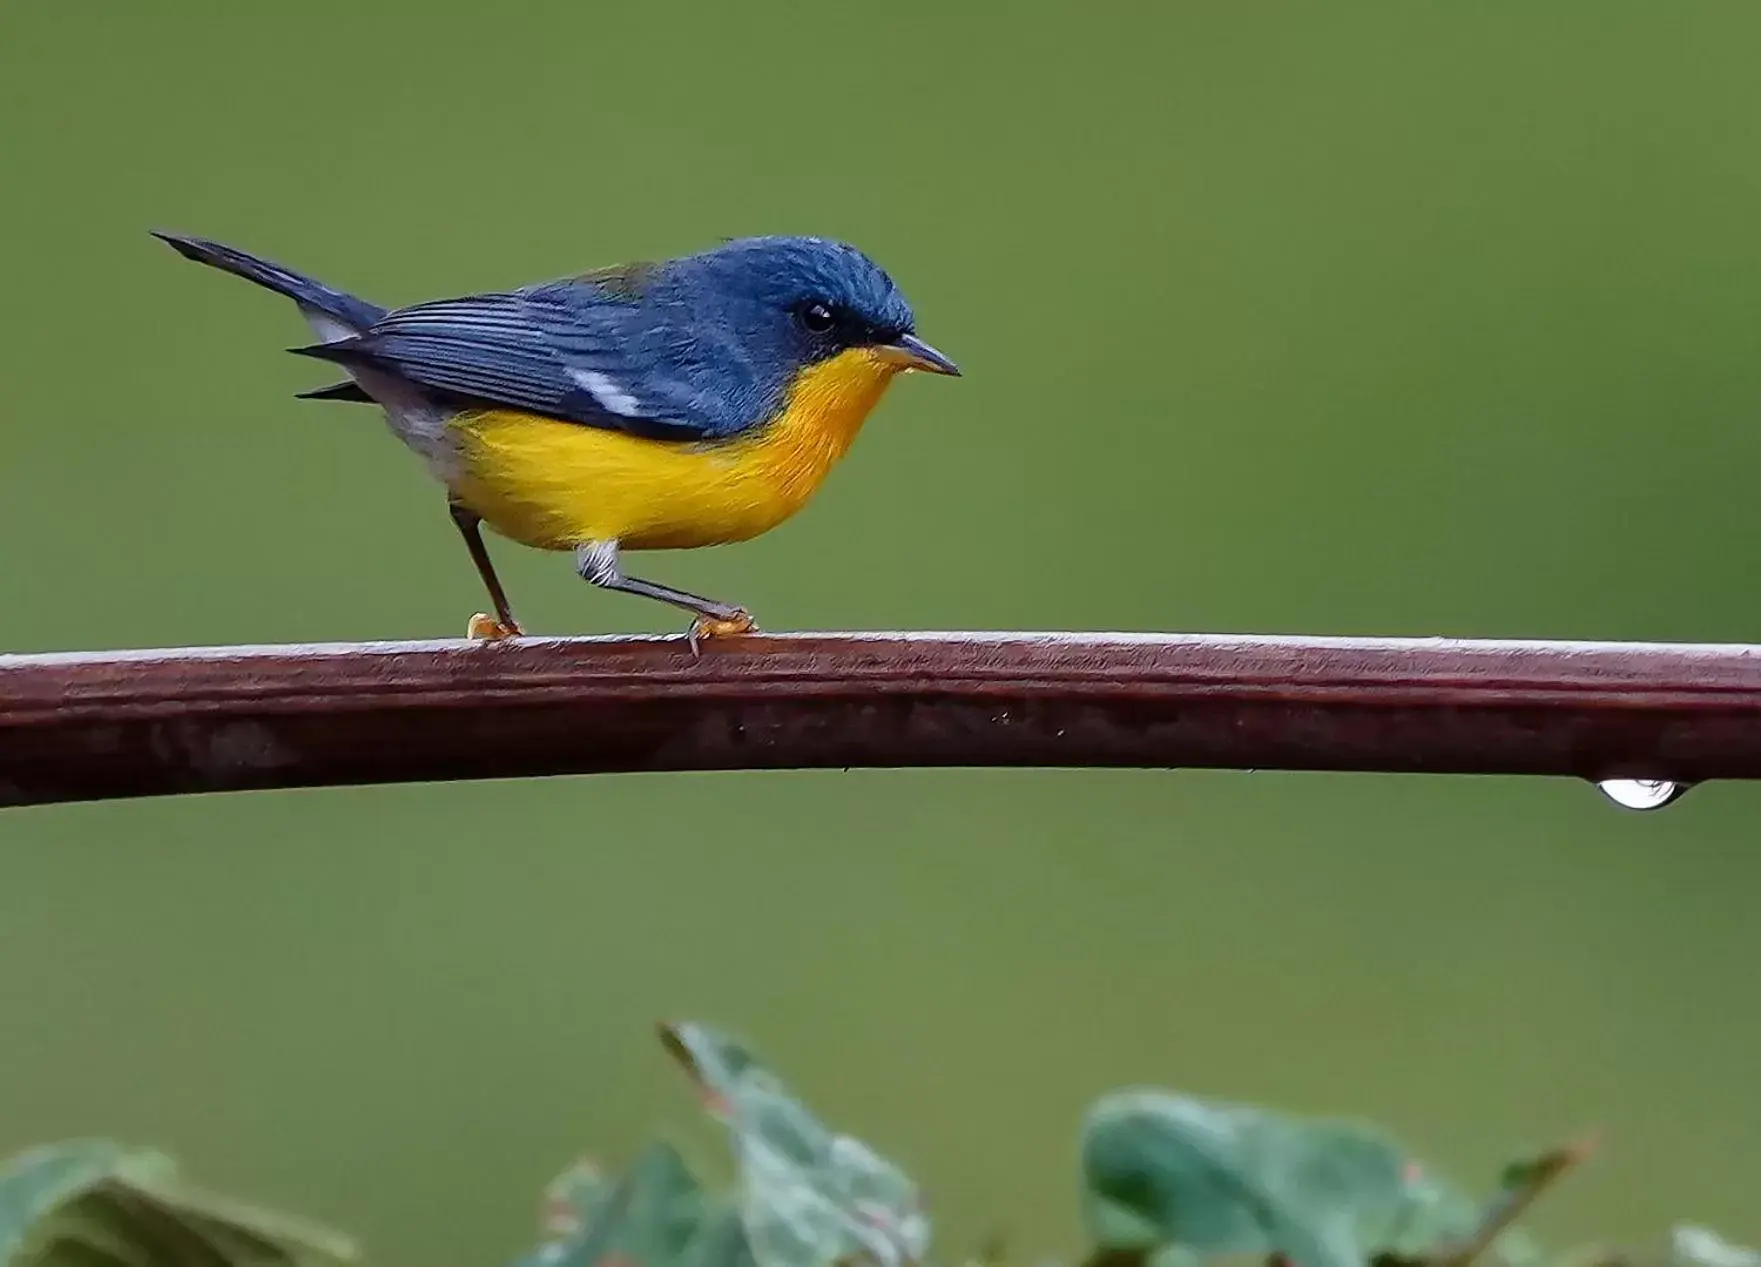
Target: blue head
point(793, 302)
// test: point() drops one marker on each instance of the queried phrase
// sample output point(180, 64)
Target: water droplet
point(1642, 793)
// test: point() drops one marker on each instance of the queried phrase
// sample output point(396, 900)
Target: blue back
point(700, 347)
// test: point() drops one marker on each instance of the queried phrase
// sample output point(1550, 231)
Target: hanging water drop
point(1642, 793)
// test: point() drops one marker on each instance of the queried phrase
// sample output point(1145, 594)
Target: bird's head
point(800, 301)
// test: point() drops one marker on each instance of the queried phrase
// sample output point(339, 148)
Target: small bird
point(648, 406)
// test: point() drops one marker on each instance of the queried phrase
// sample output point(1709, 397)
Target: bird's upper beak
point(911, 353)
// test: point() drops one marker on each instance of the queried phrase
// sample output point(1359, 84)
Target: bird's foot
point(704, 627)
point(486, 628)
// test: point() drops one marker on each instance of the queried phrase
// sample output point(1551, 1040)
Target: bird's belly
point(554, 484)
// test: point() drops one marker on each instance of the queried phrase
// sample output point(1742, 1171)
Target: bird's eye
point(817, 317)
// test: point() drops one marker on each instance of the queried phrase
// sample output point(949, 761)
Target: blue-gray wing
point(565, 350)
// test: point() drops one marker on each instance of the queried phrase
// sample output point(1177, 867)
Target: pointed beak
point(911, 353)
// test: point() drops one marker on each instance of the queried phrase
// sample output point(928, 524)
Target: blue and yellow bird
point(648, 406)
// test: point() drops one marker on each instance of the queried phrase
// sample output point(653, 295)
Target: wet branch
point(148, 723)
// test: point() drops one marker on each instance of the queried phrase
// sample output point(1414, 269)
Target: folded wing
point(568, 351)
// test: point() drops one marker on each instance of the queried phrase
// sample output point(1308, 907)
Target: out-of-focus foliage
point(1167, 1180)
point(808, 1196)
point(1692, 1246)
point(804, 1195)
point(1161, 1169)
point(92, 1203)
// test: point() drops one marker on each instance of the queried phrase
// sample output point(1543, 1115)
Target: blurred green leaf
point(1173, 1256)
point(1164, 1171)
point(713, 1059)
point(663, 1211)
point(574, 1199)
point(646, 1218)
point(93, 1203)
point(1691, 1246)
point(720, 1242)
point(1161, 1169)
point(808, 1197)
point(36, 1183)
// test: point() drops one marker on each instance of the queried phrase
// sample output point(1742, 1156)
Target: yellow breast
point(553, 484)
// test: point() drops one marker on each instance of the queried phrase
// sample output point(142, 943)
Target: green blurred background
point(1403, 318)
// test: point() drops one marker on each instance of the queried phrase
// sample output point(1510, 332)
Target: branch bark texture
point(145, 723)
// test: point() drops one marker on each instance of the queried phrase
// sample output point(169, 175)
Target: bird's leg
point(503, 624)
point(597, 562)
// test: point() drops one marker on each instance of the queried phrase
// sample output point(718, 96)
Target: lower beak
point(909, 352)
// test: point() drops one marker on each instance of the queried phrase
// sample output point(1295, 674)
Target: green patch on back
point(628, 282)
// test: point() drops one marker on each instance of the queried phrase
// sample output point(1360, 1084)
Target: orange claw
point(705, 627)
point(485, 628)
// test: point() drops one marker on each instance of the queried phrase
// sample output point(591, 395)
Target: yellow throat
point(555, 484)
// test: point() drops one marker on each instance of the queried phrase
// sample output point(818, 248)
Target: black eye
point(817, 317)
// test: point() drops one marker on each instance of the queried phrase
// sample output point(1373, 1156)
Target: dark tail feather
point(350, 391)
point(349, 310)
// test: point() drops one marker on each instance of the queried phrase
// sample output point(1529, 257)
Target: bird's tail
point(315, 299)
point(332, 314)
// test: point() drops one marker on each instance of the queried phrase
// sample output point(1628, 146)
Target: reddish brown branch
point(85, 727)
